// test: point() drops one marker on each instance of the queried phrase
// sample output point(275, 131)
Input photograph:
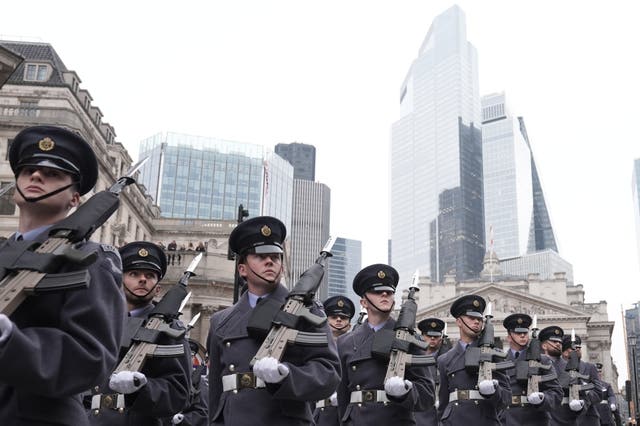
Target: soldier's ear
point(242, 270)
point(75, 200)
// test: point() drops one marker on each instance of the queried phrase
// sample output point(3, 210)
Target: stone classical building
point(555, 302)
point(43, 91)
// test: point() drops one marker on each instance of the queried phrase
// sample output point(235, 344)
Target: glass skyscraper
point(437, 220)
point(516, 216)
point(301, 156)
point(345, 263)
point(635, 186)
point(207, 178)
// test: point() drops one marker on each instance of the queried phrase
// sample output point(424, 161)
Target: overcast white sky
point(328, 73)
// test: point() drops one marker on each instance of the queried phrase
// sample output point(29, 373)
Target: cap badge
point(340, 303)
point(46, 144)
point(476, 303)
point(556, 331)
point(433, 324)
point(143, 253)
point(381, 274)
point(519, 320)
point(265, 230)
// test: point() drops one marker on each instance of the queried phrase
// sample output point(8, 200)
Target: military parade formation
point(87, 338)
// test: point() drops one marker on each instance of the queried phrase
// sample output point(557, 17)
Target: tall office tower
point(301, 156)
point(437, 219)
point(515, 212)
point(632, 328)
point(198, 177)
point(635, 185)
point(345, 263)
point(309, 229)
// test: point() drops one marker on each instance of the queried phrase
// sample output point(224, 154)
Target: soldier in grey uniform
point(55, 345)
point(339, 310)
point(364, 397)
point(161, 389)
point(273, 392)
point(528, 409)
point(589, 415)
point(608, 407)
point(197, 413)
point(462, 399)
point(432, 330)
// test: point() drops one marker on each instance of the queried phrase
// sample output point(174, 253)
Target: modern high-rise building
point(437, 219)
point(309, 231)
point(516, 216)
point(546, 263)
point(301, 156)
point(635, 186)
point(196, 177)
point(345, 263)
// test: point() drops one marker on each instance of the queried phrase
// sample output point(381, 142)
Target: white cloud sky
point(328, 73)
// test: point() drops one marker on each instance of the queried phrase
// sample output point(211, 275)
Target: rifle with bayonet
point(571, 378)
point(485, 358)
point(285, 320)
point(396, 345)
point(361, 317)
point(30, 268)
point(530, 369)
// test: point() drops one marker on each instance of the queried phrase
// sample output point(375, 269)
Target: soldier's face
point(383, 300)
point(471, 327)
point(36, 181)
point(141, 285)
point(434, 342)
point(552, 348)
point(339, 324)
point(261, 269)
point(519, 339)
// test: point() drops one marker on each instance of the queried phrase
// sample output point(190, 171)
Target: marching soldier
point(432, 330)
point(462, 399)
point(364, 398)
point(197, 413)
point(274, 392)
point(608, 407)
point(528, 409)
point(589, 415)
point(58, 343)
point(161, 389)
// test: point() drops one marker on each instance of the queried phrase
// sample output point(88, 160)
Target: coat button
point(357, 387)
point(232, 367)
point(228, 344)
point(354, 368)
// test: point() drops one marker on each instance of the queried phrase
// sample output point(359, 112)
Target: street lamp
point(633, 340)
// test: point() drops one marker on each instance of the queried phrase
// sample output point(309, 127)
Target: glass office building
point(345, 263)
point(635, 186)
point(437, 219)
point(207, 178)
point(301, 156)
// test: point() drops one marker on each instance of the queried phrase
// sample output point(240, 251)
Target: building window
point(36, 72)
point(7, 206)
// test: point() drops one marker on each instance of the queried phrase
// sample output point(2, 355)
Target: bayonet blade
point(194, 263)
point(193, 321)
point(135, 167)
point(415, 282)
point(329, 245)
point(184, 302)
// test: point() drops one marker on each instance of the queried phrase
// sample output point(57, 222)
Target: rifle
point(396, 345)
point(530, 369)
point(361, 317)
point(284, 320)
point(481, 358)
point(571, 377)
point(32, 267)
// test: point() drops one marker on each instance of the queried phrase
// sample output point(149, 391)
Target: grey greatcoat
point(314, 372)
point(517, 414)
point(166, 391)
point(454, 376)
point(362, 371)
point(563, 416)
point(62, 344)
point(604, 407)
point(429, 417)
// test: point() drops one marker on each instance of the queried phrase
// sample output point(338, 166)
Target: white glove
point(576, 404)
point(6, 326)
point(396, 386)
point(334, 399)
point(270, 370)
point(177, 419)
point(487, 387)
point(127, 381)
point(535, 398)
point(613, 407)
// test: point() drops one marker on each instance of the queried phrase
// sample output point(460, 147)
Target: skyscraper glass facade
point(301, 156)
point(345, 263)
point(207, 178)
point(437, 219)
point(635, 186)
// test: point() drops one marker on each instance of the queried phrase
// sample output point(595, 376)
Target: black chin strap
point(380, 310)
point(518, 344)
point(470, 329)
point(340, 328)
point(263, 278)
point(42, 197)
point(141, 298)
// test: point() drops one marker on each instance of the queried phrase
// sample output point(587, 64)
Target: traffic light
point(627, 390)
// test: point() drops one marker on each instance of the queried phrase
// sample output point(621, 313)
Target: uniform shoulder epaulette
point(107, 248)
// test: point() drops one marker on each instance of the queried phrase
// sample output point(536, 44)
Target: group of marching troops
point(101, 351)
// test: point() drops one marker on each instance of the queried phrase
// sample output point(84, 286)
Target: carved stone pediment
point(505, 302)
